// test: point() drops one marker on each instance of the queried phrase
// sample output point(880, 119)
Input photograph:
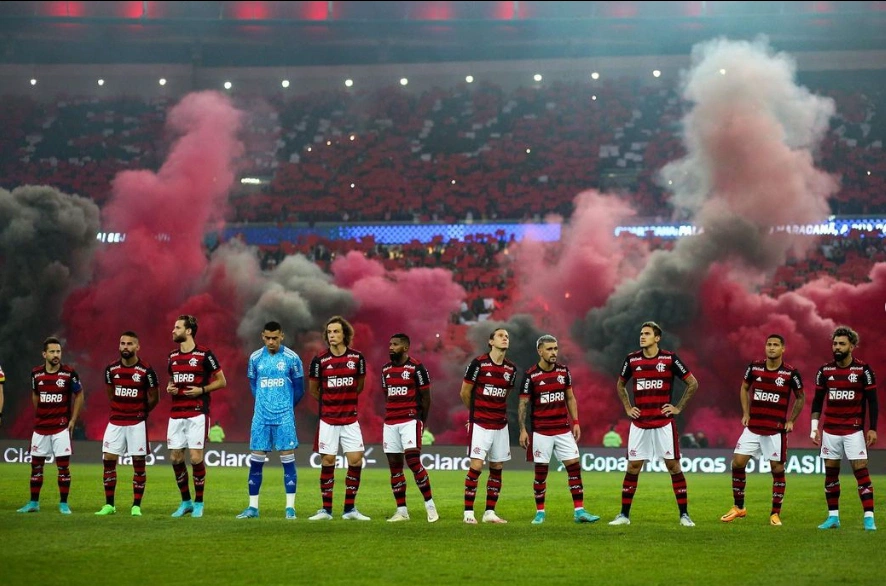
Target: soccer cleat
point(183, 509)
point(31, 507)
point(355, 515)
point(106, 510)
point(433, 516)
point(64, 509)
point(832, 522)
point(322, 515)
point(621, 520)
point(869, 524)
point(135, 511)
point(733, 514)
point(539, 518)
point(685, 521)
point(490, 517)
point(582, 516)
point(470, 520)
point(398, 516)
point(290, 513)
point(198, 511)
point(775, 520)
point(248, 513)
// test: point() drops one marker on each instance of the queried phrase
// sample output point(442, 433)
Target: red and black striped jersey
point(844, 392)
point(654, 384)
point(492, 382)
point(546, 391)
point(191, 369)
point(401, 385)
point(769, 395)
point(55, 395)
point(339, 377)
point(129, 386)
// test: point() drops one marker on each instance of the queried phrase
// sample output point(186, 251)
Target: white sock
point(253, 501)
point(835, 513)
point(869, 514)
point(290, 500)
point(429, 504)
point(469, 514)
point(403, 511)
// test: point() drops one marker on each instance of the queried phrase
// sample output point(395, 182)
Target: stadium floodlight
point(656, 73)
point(595, 75)
point(162, 81)
point(469, 78)
point(352, 137)
point(528, 151)
point(403, 81)
point(33, 81)
point(537, 77)
point(285, 83)
point(594, 98)
point(352, 186)
point(101, 82)
point(228, 85)
point(453, 181)
point(349, 82)
point(722, 72)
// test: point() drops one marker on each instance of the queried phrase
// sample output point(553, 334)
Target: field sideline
point(84, 549)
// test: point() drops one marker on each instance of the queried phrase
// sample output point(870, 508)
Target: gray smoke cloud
point(750, 137)
point(296, 293)
point(47, 243)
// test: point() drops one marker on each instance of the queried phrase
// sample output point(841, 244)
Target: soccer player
point(547, 393)
point(407, 389)
point(653, 432)
point(133, 390)
point(58, 398)
point(846, 388)
point(277, 380)
point(765, 397)
point(336, 380)
point(488, 380)
point(194, 373)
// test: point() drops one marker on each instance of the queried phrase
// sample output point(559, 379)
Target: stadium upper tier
point(454, 154)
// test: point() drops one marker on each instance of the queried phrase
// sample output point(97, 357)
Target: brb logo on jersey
point(183, 377)
point(272, 383)
point(647, 383)
point(841, 395)
point(552, 397)
point(398, 391)
point(124, 392)
point(51, 397)
point(340, 381)
point(493, 391)
point(768, 397)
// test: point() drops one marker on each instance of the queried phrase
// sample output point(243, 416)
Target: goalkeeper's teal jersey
point(277, 381)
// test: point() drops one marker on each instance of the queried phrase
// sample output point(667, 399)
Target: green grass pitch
point(48, 548)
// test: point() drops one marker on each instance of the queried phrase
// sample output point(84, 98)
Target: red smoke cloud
point(144, 283)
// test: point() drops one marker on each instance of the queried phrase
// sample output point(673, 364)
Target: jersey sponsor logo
point(552, 397)
point(494, 391)
point(124, 392)
point(52, 397)
point(340, 381)
point(183, 377)
point(398, 391)
point(272, 383)
point(768, 397)
point(841, 395)
point(649, 383)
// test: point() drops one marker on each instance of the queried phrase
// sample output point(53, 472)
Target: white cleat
point(322, 515)
point(355, 515)
point(685, 521)
point(398, 516)
point(620, 520)
point(433, 516)
point(491, 517)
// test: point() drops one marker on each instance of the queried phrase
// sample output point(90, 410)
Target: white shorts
point(772, 447)
point(330, 436)
point(562, 445)
point(187, 433)
point(834, 447)
point(399, 437)
point(491, 444)
point(58, 444)
point(126, 440)
point(658, 442)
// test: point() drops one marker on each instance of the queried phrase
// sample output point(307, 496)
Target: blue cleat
point(31, 507)
point(539, 518)
point(831, 522)
point(198, 511)
point(290, 513)
point(248, 513)
point(869, 524)
point(582, 516)
point(64, 509)
point(183, 509)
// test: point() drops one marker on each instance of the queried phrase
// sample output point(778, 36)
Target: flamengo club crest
point(351, 364)
point(192, 362)
point(136, 377)
point(405, 374)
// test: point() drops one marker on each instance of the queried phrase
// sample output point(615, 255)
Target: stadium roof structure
point(238, 34)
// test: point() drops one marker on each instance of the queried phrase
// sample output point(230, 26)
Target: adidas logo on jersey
point(328, 367)
point(541, 383)
point(116, 376)
point(638, 368)
point(830, 378)
point(759, 380)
